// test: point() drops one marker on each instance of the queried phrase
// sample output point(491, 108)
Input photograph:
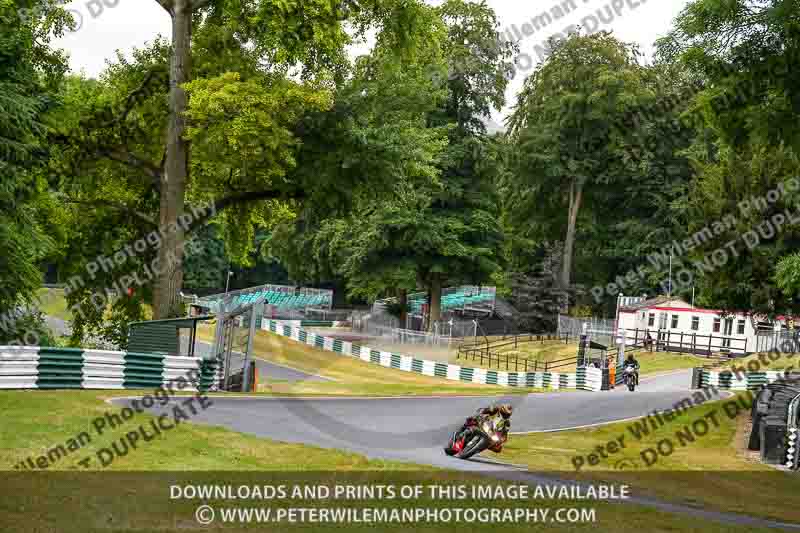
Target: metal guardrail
point(680, 342)
point(486, 353)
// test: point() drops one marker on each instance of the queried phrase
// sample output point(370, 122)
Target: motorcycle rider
point(504, 410)
point(631, 360)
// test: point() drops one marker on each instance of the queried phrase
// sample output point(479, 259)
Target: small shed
point(164, 336)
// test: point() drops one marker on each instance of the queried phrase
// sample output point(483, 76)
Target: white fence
point(574, 327)
point(387, 326)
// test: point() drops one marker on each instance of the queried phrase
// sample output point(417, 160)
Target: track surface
point(415, 429)
point(266, 371)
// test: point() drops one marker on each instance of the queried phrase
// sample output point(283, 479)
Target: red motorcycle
point(479, 433)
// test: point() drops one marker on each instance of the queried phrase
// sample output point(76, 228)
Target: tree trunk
point(169, 277)
point(403, 300)
point(575, 197)
point(435, 300)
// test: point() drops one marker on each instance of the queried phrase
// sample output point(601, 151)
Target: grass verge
point(706, 465)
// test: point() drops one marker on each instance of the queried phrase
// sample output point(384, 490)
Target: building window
point(695, 323)
point(674, 321)
point(651, 320)
point(740, 327)
point(717, 322)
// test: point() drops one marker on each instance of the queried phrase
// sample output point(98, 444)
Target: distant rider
point(505, 410)
point(631, 360)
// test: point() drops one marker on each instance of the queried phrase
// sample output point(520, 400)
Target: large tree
point(136, 125)
point(570, 139)
point(745, 55)
point(29, 71)
point(262, 97)
point(440, 224)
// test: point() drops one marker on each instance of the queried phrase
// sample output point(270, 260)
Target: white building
point(681, 327)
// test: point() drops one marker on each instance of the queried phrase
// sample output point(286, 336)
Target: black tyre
point(631, 385)
point(475, 442)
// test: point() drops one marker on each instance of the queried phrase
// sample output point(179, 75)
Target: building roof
point(658, 301)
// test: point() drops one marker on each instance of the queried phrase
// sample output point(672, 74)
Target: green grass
point(35, 421)
point(714, 471)
point(53, 303)
point(133, 493)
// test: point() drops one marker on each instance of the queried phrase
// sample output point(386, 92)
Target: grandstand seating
point(281, 299)
point(456, 299)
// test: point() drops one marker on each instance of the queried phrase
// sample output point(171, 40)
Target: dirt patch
point(744, 425)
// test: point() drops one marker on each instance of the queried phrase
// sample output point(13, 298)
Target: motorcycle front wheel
point(474, 443)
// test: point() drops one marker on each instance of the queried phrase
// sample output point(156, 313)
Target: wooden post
point(681, 342)
point(253, 385)
point(709, 344)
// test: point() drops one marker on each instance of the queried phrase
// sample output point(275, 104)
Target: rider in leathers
point(505, 410)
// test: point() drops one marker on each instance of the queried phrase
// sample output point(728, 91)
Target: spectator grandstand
point(280, 297)
point(467, 299)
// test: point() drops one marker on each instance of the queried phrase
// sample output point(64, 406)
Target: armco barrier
point(584, 379)
point(726, 379)
point(33, 367)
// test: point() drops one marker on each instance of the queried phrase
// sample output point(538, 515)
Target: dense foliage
point(287, 161)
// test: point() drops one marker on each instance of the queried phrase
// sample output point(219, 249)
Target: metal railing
point(487, 352)
point(682, 342)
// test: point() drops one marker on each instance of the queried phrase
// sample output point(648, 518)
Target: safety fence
point(34, 367)
point(725, 379)
point(494, 353)
point(575, 326)
point(584, 379)
point(776, 417)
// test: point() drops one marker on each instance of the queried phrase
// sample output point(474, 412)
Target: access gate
point(233, 347)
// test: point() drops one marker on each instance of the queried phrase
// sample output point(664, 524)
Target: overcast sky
point(132, 23)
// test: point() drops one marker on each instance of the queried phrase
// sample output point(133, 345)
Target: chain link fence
point(574, 326)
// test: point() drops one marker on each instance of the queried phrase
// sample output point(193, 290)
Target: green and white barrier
point(585, 379)
point(726, 379)
point(34, 367)
point(313, 323)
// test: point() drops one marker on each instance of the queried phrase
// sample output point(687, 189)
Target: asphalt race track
point(266, 371)
point(415, 429)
